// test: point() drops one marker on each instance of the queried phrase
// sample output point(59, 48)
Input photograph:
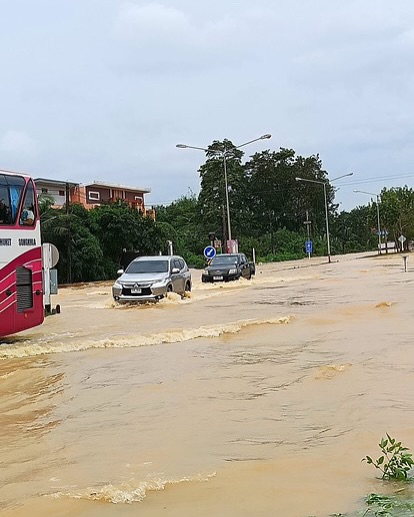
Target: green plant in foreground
point(395, 462)
point(379, 505)
point(388, 506)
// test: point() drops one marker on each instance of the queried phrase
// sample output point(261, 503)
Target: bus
point(21, 273)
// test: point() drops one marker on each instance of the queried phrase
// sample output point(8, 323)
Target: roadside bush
point(194, 261)
point(279, 257)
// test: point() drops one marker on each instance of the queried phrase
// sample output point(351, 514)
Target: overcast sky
point(105, 89)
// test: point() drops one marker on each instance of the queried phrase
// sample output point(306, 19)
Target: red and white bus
point(21, 285)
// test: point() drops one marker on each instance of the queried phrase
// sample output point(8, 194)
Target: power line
point(375, 180)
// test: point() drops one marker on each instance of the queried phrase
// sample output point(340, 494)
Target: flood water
point(245, 399)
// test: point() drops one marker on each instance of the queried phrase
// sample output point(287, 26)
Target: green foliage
point(397, 212)
point(181, 223)
point(212, 198)
point(267, 207)
point(395, 462)
point(91, 242)
point(86, 257)
point(195, 261)
point(388, 506)
point(118, 227)
point(45, 202)
point(278, 257)
point(378, 505)
point(354, 231)
point(259, 244)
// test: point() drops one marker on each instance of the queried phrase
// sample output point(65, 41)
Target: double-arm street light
point(224, 155)
point(378, 216)
point(326, 205)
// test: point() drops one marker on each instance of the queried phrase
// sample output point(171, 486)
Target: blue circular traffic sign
point(209, 252)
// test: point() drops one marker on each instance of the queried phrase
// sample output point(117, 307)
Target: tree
point(353, 231)
point(119, 227)
point(181, 223)
point(212, 198)
point(397, 212)
point(80, 255)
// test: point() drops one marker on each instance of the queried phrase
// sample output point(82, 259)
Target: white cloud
point(17, 143)
point(157, 37)
point(327, 76)
point(151, 22)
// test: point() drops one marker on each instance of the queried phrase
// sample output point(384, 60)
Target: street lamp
point(378, 216)
point(224, 155)
point(326, 205)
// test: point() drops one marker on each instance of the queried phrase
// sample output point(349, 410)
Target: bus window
point(5, 212)
point(28, 215)
point(11, 188)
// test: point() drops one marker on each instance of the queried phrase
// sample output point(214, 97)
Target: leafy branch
point(395, 462)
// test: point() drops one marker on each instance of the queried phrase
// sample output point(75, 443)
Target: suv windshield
point(148, 266)
point(224, 259)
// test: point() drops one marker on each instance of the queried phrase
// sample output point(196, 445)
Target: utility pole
point(324, 183)
point(69, 233)
point(225, 237)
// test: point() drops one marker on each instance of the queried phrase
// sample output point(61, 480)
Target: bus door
point(29, 285)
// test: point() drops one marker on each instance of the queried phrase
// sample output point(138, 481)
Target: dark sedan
point(228, 266)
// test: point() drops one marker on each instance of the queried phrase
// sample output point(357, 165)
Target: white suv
point(151, 278)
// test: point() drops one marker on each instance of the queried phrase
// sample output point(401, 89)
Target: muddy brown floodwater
point(245, 399)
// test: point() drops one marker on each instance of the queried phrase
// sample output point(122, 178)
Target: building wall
point(89, 195)
point(56, 193)
point(96, 195)
point(93, 195)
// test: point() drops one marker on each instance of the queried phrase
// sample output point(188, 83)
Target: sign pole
point(308, 246)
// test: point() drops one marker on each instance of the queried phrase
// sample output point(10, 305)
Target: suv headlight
point(117, 285)
point(232, 271)
point(205, 272)
point(160, 283)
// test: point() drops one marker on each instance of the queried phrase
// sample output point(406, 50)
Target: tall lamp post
point(378, 216)
point(224, 155)
point(326, 205)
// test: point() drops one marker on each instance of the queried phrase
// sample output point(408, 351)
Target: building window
point(138, 198)
point(94, 196)
point(44, 190)
point(61, 192)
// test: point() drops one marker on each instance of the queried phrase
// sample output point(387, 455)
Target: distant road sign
point(232, 246)
point(308, 246)
point(209, 252)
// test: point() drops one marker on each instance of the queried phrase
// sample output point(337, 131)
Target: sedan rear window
point(148, 266)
